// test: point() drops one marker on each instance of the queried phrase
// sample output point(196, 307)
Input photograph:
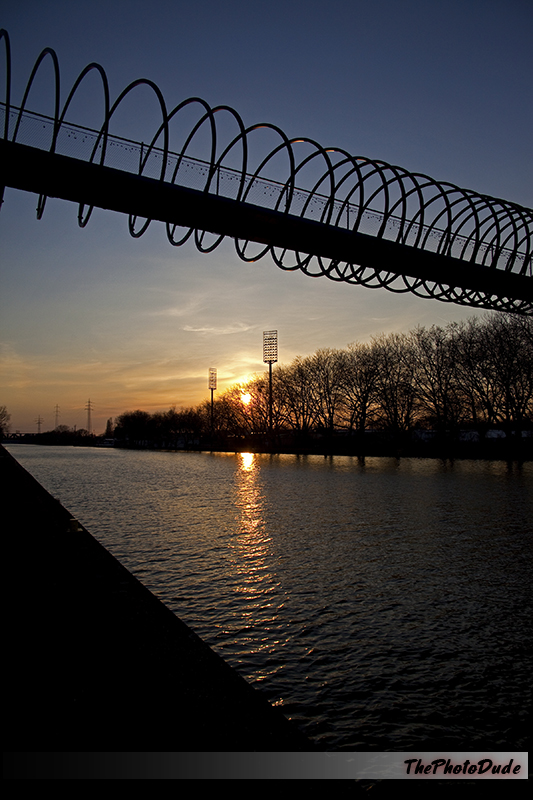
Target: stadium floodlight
point(270, 347)
point(270, 356)
point(212, 384)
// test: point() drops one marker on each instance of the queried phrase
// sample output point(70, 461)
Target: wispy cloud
point(16, 371)
point(191, 306)
point(239, 327)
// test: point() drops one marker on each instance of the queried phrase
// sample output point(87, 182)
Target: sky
point(441, 87)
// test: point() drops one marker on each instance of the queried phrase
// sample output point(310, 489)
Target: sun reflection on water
point(247, 461)
point(253, 579)
point(249, 501)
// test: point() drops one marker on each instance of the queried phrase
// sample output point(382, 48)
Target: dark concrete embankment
point(94, 662)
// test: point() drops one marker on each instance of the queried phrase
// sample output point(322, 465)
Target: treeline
point(62, 435)
point(442, 384)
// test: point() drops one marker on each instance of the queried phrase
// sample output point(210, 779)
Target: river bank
point(494, 445)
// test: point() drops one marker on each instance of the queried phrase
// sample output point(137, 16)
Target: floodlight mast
point(212, 385)
point(270, 356)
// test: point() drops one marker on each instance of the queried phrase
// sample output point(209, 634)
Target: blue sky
point(442, 88)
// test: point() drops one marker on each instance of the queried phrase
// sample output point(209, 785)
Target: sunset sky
point(440, 87)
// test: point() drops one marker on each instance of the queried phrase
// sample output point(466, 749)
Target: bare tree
point(327, 387)
point(4, 421)
point(134, 427)
point(396, 382)
point(359, 371)
point(438, 388)
point(509, 348)
point(475, 370)
point(295, 388)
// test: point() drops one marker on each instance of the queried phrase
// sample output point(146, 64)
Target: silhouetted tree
point(295, 389)
point(4, 421)
point(509, 348)
point(359, 373)
point(134, 427)
point(395, 382)
point(441, 402)
point(475, 373)
point(327, 387)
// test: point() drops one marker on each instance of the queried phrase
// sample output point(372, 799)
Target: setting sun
point(246, 398)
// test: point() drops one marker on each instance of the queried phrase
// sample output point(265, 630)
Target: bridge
point(320, 210)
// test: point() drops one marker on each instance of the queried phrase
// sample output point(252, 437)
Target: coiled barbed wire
point(351, 193)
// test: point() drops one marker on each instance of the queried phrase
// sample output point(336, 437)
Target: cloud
point(238, 327)
point(16, 372)
point(192, 306)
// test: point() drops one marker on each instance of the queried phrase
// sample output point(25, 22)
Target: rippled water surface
point(380, 604)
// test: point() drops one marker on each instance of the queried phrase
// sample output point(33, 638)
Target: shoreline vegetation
point(493, 447)
point(460, 391)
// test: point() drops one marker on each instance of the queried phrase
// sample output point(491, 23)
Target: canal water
point(380, 603)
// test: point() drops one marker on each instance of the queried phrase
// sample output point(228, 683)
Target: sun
point(246, 398)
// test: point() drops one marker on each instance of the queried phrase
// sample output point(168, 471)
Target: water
point(381, 604)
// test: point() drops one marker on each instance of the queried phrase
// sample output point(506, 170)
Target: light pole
point(89, 408)
point(212, 384)
point(270, 356)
